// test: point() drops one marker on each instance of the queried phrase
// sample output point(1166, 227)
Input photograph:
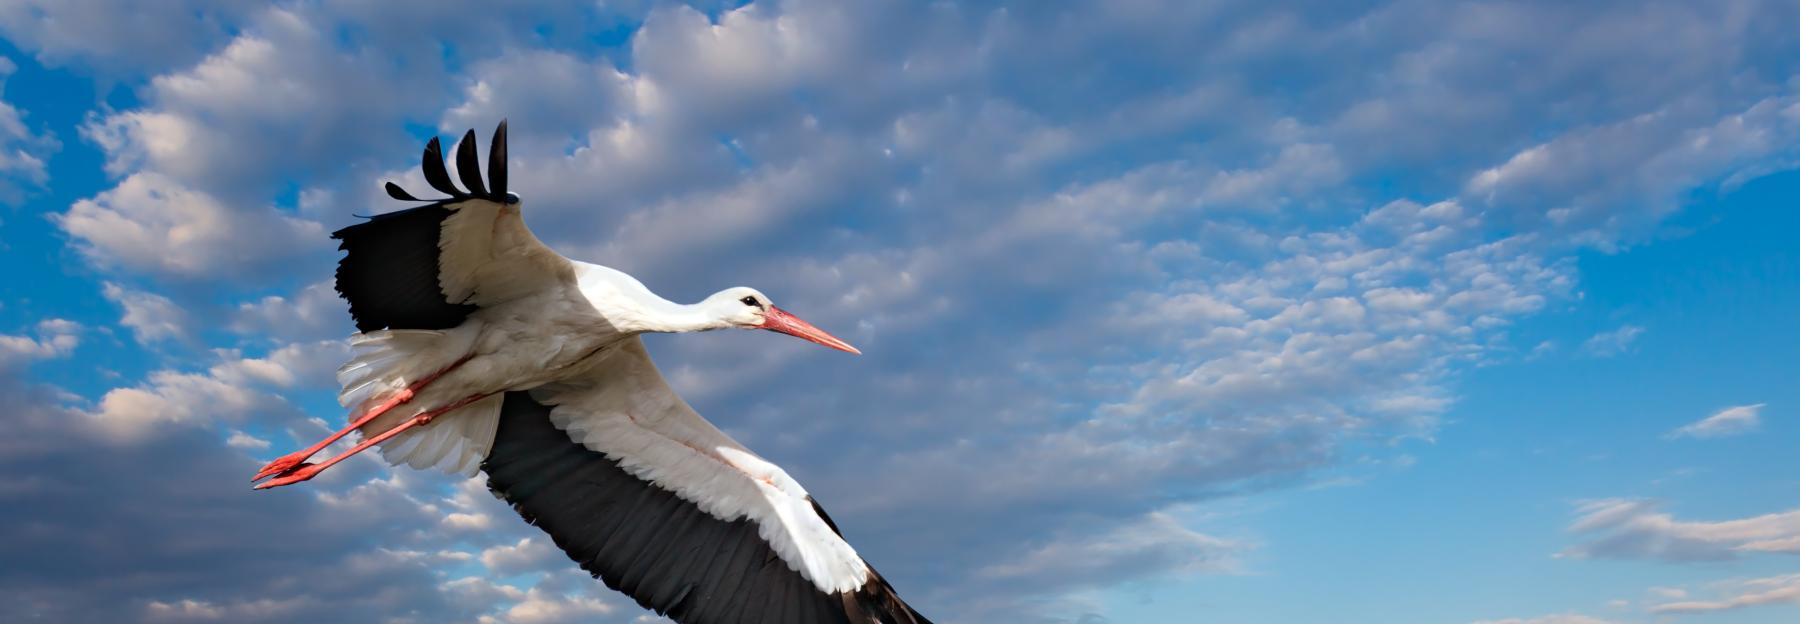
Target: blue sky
point(1172, 311)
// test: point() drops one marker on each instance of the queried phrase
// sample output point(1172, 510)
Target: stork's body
point(482, 348)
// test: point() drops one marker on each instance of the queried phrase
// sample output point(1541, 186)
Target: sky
point(1171, 312)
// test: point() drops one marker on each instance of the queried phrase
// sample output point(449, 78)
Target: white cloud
point(55, 338)
point(1176, 289)
point(234, 390)
point(743, 63)
point(1740, 594)
point(1634, 529)
point(543, 607)
point(119, 35)
point(190, 610)
point(246, 442)
point(151, 224)
point(314, 313)
point(1726, 422)
point(1631, 172)
point(1611, 343)
point(529, 553)
point(1563, 618)
point(22, 150)
point(151, 317)
point(545, 93)
point(1155, 543)
point(270, 105)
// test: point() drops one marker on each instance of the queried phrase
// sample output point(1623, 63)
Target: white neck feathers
point(632, 308)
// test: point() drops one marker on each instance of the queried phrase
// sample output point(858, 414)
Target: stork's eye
point(750, 301)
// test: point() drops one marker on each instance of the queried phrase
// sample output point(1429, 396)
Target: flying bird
point(480, 348)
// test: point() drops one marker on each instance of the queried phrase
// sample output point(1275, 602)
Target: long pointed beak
point(778, 320)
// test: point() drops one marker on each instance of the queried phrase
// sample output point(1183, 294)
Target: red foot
point(296, 475)
point(406, 394)
point(284, 464)
point(307, 471)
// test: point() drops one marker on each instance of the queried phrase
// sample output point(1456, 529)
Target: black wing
point(389, 273)
point(664, 552)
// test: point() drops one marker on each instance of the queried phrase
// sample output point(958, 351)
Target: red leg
point(308, 471)
point(288, 462)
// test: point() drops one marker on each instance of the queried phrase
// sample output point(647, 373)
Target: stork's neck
point(662, 315)
point(633, 308)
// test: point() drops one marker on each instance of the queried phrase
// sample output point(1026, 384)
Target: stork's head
point(745, 308)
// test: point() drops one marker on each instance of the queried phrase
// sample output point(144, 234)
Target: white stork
point(480, 347)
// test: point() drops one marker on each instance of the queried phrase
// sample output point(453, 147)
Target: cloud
point(1156, 544)
point(203, 547)
point(1730, 421)
point(1635, 529)
point(267, 105)
point(118, 36)
point(1630, 172)
point(235, 390)
point(55, 338)
point(190, 610)
point(1611, 343)
point(314, 313)
point(526, 554)
point(22, 150)
point(151, 317)
point(1740, 594)
point(246, 442)
point(543, 606)
point(200, 545)
point(1563, 618)
point(544, 93)
point(152, 225)
point(1204, 285)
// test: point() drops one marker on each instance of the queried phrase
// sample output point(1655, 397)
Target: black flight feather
point(435, 174)
point(466, 166)
point(497, 161)
point(390, 271)
point(663, 551)
point(394, 191)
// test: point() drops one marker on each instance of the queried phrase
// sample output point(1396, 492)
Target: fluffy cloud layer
point(152, 225)
point(1103, 267)
point(22, 150)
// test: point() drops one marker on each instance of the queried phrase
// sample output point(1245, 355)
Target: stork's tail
point(384, 364)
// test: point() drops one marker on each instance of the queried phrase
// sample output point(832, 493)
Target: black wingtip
point(435, 174)
point(394, 191)
point(467, 167)
point(497, 160)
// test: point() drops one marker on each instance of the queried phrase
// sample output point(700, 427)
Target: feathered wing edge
point(390, 271)
point(876, 599)
point(650, 544)
point(468, 169)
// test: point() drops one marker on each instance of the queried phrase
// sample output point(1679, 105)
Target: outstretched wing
point(648, 496)
point(431, 266)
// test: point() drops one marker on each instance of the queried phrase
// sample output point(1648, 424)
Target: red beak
point(777, 319)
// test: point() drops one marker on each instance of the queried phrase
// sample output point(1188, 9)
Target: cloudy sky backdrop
point(1401, 312)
